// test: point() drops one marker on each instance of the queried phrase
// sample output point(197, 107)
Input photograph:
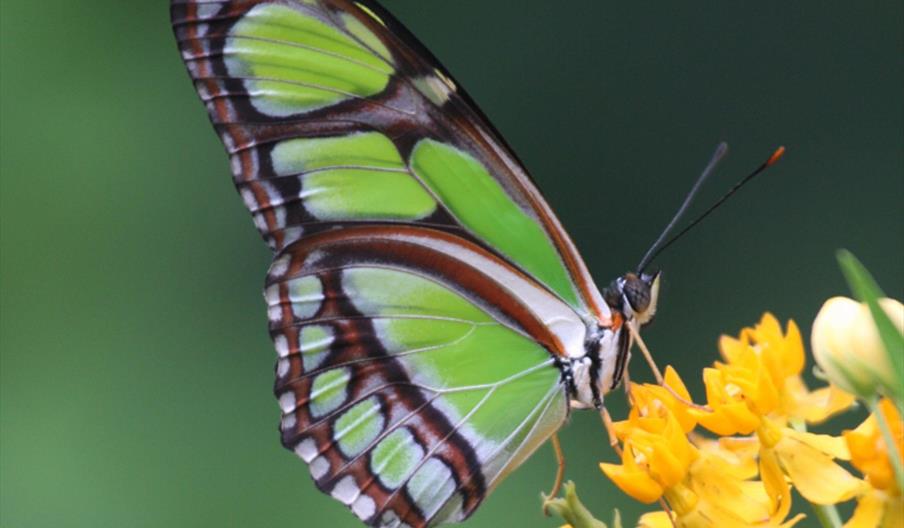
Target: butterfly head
point(634, 296)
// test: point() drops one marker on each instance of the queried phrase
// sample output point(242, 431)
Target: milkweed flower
point(758, 389)
point(882, 505)
point(764, 364)
point(848, 348)
point(707, 484)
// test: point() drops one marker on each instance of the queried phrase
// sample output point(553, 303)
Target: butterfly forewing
point(421, 288)
point(333, 113)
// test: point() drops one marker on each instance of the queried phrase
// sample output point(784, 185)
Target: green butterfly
point(433, 320)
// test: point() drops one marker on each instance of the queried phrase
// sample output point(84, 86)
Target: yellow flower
point(706, 485)
point(647, 397)
point(882, 505)
point(766, 364)
point(755, 391)
point(807, 460)
point(656, 453)
point(847, 346)
point(818, 405)
point(713, 495)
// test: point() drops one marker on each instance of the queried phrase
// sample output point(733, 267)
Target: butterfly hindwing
point(333, 114)
point(406, 389)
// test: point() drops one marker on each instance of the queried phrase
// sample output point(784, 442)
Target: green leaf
point(865, 288)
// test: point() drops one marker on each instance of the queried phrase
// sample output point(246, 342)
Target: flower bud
point(848, 348)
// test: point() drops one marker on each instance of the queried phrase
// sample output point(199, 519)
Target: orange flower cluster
point(757, 405)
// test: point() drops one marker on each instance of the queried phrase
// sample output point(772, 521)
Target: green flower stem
point(826, 513)
point(893, 454)
point(573, 511)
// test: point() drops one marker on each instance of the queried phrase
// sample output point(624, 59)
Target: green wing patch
point(478, 201)
point(292, 62)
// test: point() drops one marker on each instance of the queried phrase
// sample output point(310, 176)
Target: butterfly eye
point(642, 294)
point(638, 293)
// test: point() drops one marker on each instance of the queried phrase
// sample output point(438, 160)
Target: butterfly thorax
point(632, 301)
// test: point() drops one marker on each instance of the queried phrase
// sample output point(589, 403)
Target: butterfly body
point(434, 323)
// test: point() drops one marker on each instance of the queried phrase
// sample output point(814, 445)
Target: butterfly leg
point(610, 431)
point(635, 337)
point(560, 470)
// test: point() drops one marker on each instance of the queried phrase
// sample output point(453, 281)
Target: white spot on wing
point(288, 422)
point(235, 161)
point(282, 367)
point(287, 401)
point(249, 199)
point(306, 449)
point(280, 266)
point(431, 485)
point(282, 346)
point(292, 234)
point(364, 507)
point(260, 222)
point(280, 213)
point(346, 491)
point(433, 88)
point(207, 10)
point(319, 467)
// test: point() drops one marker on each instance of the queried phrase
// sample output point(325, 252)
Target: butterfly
point(433, 321)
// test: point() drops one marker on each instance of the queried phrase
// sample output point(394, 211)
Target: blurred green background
point(136, 367)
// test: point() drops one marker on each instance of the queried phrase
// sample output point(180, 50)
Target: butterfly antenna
point(720, 152)
point(658, 247)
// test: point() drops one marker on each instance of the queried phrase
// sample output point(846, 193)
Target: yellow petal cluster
point(656, 452)
point(706, 482)
point(758, 389)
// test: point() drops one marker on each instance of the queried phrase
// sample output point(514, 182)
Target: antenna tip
point(777, 155)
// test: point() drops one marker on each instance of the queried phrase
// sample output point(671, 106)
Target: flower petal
point(834, 446)
point(792, 358)
point(868, 513)
point(775, 484)
point(658, 519)
point(814, 474)
point(636, 483)
point(729, 415)
point(819, 405)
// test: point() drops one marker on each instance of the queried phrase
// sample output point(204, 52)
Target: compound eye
point(638, 294)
